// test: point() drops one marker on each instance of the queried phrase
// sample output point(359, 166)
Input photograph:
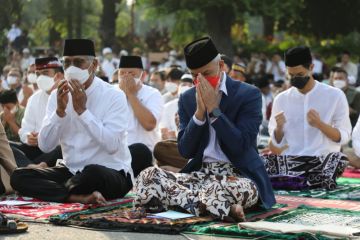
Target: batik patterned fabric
point(213, 189)
point(305, 172)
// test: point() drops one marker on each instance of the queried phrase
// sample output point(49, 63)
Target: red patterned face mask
point(213, 80)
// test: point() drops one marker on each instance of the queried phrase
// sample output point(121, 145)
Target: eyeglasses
point(77, 62)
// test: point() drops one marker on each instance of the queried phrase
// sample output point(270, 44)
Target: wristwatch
point(215, 113)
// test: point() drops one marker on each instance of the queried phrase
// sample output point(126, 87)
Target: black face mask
point(299, 82)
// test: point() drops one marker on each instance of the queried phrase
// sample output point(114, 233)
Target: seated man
point(12, 114)
point(7, 163)
point(340, 80)
point(89, 118)
point(172, 84)
point(219, 124)
point(312, 119)
point(145, 108)
point(166, 151)
point(238, 72)
point(50, 72)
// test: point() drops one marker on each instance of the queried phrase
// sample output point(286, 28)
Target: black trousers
point(57, 183)
point(25, 155)
point(141, 157)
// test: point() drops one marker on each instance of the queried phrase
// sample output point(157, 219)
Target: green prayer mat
point(304, 215)
point(347, 189)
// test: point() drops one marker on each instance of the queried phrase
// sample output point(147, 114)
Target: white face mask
point(171, 87)
point(339, 84)
point(32, 78)
point(72, 72)
point(45, 83)
point(11, 80)
point(183, 89)
point(137, 80)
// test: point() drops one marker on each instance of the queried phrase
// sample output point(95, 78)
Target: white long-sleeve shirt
point(152, 100)
point(34, 114)
point(356, 138)
point(97, 136)
point(301, 138)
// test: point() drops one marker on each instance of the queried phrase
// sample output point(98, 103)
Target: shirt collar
point(223, 84)
point(92, 87)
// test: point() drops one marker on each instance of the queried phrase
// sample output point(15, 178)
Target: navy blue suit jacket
point(236, 130)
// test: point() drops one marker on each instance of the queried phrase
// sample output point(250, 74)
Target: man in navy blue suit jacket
point(219, 124)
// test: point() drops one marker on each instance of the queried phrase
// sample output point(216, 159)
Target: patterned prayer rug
point(347, 189)
point(124, 218)
point(40, 211)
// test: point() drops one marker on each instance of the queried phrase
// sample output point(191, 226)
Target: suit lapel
point(225, 98)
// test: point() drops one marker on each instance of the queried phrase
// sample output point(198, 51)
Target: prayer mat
point(347, 189)
point(125, 218)
point(40, 211)
point(293, 202)
point(351, 173)
point(304, 215)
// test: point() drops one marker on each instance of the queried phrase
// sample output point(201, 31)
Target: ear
point(311, 67)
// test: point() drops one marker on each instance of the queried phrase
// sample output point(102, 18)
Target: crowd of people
point(199, 130)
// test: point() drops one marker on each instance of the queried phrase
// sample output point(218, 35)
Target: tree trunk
point(108, 23)
point(268, 26)
point(218, 23)
point(69, 18)
point(79, 17)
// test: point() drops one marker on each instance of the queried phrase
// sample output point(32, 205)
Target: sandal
point(8, 226)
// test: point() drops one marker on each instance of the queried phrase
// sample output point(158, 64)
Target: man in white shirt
point(109, 64)
point(13, 33)
point(354, 156)
point(166, 151)
point(89, 118)
point(158, 81)
point(311, 120)
point(219, 124)
point(145, 108)
point(145, 103)
point(349, 67)
point(26, 60)
point(172, 84)
point(49, 73)
point(276, 67)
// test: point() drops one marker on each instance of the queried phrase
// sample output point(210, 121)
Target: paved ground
point(49, 232)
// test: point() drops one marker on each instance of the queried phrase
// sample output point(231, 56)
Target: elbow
point(149, 126)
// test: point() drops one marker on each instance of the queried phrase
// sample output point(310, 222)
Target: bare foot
point(93, 198)
point(237, 213)
point(40, 165)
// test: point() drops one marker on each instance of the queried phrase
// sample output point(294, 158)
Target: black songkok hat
point(79, 47)
point(200, 52)
point(47, 62)
point(297, 56)
point(8, 96)
point(131, 62)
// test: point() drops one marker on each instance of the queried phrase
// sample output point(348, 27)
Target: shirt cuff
point(198, 122)
point(54, 118)
point(86, 116)
point(275, 143)
point(344, 137)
